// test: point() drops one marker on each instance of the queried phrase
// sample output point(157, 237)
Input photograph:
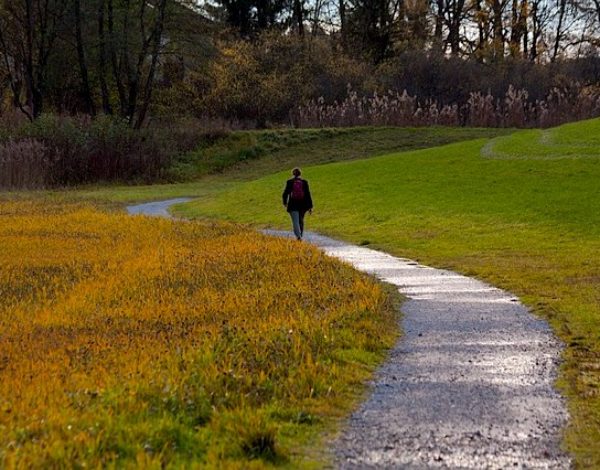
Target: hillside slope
point(521, 211)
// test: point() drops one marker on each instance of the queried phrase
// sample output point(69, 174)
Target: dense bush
point(451, 79)
point(258, 83)
point(59, 151)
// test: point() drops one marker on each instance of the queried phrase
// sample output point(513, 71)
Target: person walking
point(298, 201)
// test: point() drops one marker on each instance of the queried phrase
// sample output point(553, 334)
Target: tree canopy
point(257, 59)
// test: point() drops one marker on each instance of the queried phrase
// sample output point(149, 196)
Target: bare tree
point(539, 17)
point(455, 12)
point(562, 9)
point(130, 38)
point(154, 43)
point(518, 25)
point(28, 32)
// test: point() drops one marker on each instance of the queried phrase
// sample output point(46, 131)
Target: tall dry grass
point(23, 164)
point(481, 110)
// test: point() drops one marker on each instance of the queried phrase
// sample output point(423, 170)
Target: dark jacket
point(293, 204)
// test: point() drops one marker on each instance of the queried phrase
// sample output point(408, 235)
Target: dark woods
point(82, 56)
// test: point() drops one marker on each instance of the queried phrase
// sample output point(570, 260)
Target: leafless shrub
point(11, 120)
point(23, 164)
point(62, 151)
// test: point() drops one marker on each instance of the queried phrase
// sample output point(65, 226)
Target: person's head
point(296, 172)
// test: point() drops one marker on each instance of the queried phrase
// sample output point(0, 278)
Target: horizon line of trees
point(485, 30)
point(258, 60)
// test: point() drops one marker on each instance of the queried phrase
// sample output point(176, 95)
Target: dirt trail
point(470, 383)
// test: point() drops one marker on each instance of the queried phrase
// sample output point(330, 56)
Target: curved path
point(470, 384)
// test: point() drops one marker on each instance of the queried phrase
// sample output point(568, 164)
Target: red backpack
point(297, 190)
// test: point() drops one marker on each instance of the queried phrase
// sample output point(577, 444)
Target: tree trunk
point(83, 68)
point(342, 13)
point(455, 16)
point(525, 27)
point(497, 8)
point(33, 98)
point(116, 65)
point(481, 29)
point(534, 33)
point(134, 76)
point(106, 106)
point(157, 39)
point(439, 26)
point(515, 39)
point(299, 16)
point(561, 16)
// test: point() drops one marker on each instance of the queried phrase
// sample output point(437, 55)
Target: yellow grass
point(145, 342)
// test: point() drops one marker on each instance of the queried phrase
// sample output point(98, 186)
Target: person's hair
point(296, 172)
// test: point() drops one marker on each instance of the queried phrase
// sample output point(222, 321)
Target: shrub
point(77, 150)
point(23, 164)
point(10, 122)
point(260, 82)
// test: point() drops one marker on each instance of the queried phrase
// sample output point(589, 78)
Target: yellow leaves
point(109, 323)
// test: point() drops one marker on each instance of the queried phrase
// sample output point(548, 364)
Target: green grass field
point(521, 211)
point(157, 426)
point(248, 155)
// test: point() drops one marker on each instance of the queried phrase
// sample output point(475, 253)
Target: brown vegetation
point(252, 62)
point(155, 66)
point(142, 343)
point(59, 151)
point(402, 109)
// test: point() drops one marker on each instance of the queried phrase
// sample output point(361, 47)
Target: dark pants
point(298, 223)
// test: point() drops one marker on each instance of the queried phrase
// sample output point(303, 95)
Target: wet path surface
point(157, 208)
point(470, 383)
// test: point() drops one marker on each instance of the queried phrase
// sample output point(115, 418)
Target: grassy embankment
point(248, 155)
point(143, 343)
point(521, 211)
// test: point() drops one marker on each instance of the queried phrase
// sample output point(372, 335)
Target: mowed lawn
point(248, 155)
point(521, 211)
point(132, 342)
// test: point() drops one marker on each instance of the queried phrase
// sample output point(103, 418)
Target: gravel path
point(470, 383)
point(157, 208)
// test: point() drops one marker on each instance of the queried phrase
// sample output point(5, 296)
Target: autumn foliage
point(133, 342)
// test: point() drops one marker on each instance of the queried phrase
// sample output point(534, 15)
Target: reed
point(395, 108)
